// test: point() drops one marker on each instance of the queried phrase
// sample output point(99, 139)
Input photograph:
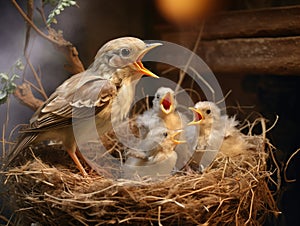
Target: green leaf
point(3, 77)
point(20, 65)
point(60, 6)
point(57, 12)
point(14, 77)
point(65, 4)
point(72, 2)
point(2, 101)
point(3, 94)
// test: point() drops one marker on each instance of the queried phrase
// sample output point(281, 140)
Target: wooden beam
point(265, 41)
point(270, 22)
point(277, 56)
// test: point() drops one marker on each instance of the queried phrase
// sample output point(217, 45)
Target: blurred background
point(252, 46)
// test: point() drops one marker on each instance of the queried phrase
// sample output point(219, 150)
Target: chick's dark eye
point(208, 111)
point(125, 52)
point(165, 134)
point(157, 96)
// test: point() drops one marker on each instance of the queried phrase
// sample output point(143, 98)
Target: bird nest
point(233, 190)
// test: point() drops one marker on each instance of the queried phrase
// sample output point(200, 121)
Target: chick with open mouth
point(164, 113)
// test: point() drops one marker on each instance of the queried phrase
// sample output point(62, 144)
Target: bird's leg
point(73, 155)
point(93, 165)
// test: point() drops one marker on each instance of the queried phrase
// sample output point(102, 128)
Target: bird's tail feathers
point(24, 141)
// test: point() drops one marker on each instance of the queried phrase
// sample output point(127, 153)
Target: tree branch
point(24, 94)
point(30, 6)
point(74, 63)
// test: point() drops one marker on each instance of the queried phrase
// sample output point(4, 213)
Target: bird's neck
point(172, 120)
point(102, 70)
point(123, 100)
point(205, 129)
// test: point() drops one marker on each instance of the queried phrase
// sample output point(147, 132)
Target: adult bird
point(155, 155)
point(99, 96)
point(217, 133)
point(164, 113)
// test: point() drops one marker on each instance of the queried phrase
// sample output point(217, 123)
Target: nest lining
point(232, 191)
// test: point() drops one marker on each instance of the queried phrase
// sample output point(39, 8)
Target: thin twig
point(158, 216)
point(4, 127)
point(32, 85)
point(41, 11)
point(204, 81)
point(38, 31)
point(274, 124)
point(37, 78)
point(287, 165)
point(3, 143)
point(225, 97)
point(251, 207)
point(182, 72)
point(278, 184)
point(30, 5)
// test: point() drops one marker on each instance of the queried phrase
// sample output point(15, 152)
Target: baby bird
point(154, 155)
point(164, 113)
point(216, 133)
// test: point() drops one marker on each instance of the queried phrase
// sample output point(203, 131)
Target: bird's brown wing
point(77, 98)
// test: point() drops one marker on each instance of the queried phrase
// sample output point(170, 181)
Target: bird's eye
point(157, 96)
point(165, 134)
point(208, 111)
point(125, 52)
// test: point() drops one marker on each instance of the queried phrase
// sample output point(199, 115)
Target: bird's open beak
point(139, 65)
point(167, 103)
point(197, 116)
point(176, 134)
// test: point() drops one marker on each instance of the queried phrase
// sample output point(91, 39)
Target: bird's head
point(164, 100)
point(205, 112)
point(162, 134)
point(169, 139)
point(121, 59)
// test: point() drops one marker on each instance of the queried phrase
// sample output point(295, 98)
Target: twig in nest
point(278, 183)
point(240, 107)
point(233, 190)
point(287, 165)
point(275, 122)
point(225, 97)
point(251, 207)
point(158, 217)
point(191, 92)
